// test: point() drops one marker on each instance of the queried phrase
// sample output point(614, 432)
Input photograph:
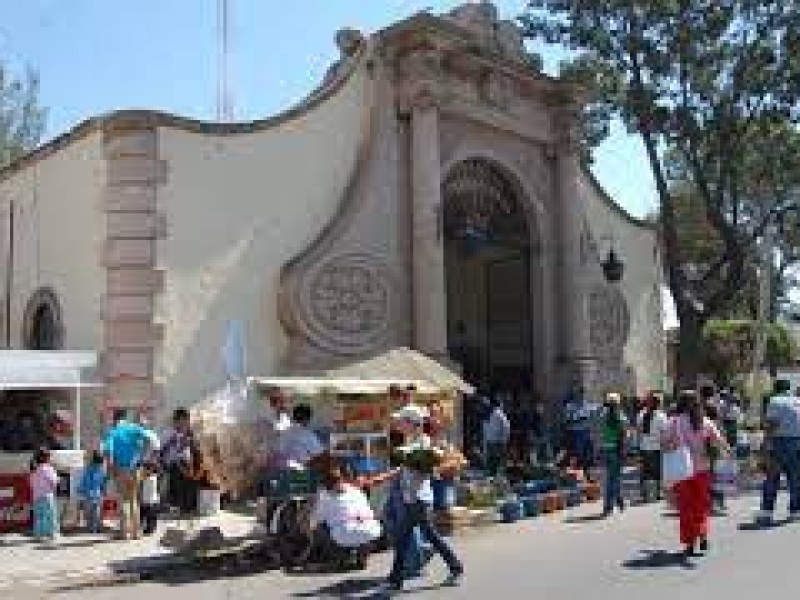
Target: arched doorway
point(487, 242)
point(42, 328)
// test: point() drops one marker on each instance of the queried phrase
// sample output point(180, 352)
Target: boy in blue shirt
point(92, 489)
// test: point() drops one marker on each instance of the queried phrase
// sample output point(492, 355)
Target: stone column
point(133, 225)
point(429, 291)
point(576, 348)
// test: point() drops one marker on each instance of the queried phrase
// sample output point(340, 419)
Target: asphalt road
point(568, 556)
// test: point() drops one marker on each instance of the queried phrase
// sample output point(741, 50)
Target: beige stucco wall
point(237, 209)
point(59, 234)
point(641, 285)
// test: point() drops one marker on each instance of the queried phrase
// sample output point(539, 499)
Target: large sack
point(232, 439)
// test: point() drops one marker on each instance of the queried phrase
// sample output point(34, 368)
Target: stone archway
point(42, 325)
point(488, 260)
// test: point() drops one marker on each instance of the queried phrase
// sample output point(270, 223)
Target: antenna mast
point(224, 104)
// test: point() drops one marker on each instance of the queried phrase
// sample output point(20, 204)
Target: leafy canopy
point(711, 87)
point(22, 119)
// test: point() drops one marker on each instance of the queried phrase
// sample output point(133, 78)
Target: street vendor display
point(40, 407)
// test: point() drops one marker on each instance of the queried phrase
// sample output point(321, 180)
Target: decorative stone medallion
point(609, 320)
point(348, 301)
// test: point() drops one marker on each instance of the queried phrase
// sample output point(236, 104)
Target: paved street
point(562, 557)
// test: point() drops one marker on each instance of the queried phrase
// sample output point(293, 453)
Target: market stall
point(352, 414)
point(40, 406)
point(433, 384)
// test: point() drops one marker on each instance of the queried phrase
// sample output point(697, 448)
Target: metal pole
point(224, 108)
point(76, 432)
point(9, 271)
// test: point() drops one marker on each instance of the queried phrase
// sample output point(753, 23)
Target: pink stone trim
point(136, 225)
point(133, 225)
point(128, 308)
point(121, 335)
point(129, 363)
point(136, 170)
point(134, 281)
point(129, 253)
point(130, 198)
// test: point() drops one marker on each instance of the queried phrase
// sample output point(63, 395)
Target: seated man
point(299, 445)
point(344, 520)
point(298, 448)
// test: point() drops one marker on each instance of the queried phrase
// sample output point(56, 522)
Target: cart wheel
point(293, 533)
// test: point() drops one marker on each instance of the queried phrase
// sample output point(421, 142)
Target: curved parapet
point(240, 203)
point(352, 46)
point(295, 309)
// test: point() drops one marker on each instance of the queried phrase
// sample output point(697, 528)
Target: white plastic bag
point(676, 466)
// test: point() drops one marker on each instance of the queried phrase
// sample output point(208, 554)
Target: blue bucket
point(511, 511)
point(362, 465)
point(574, 498)
point(531, 506)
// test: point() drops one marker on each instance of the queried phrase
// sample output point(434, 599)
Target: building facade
point(428, 194)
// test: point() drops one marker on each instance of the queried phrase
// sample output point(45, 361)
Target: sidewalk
point(86, 557)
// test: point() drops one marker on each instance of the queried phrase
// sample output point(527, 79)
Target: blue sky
point(99, 55)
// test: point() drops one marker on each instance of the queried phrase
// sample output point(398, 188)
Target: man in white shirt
point(651, 424)
point(783, 431)
point(299, 445)
point(496, 435)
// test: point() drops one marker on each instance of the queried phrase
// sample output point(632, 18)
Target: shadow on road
point(756, 526)
point(362, 588)
point(658, 559)
point(359, 587)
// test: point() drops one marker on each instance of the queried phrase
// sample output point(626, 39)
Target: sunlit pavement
point(569, 556)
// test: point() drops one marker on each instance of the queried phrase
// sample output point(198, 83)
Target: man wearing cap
point(417, 499)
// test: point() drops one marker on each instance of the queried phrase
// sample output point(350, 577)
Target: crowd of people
point(682, 448)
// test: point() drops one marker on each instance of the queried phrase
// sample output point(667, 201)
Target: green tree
point(704, 83)
point(728, 347)
point(22, 119)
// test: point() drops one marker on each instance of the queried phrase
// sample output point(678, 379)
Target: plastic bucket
point(511, 511)
point(574, 498)
point(362, 465)
point(531, 506)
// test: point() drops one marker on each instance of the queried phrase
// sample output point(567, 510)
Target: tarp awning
point(46, 369)
point(404, 363)
point(339, 385)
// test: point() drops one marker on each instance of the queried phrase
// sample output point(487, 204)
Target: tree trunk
point(690, 350)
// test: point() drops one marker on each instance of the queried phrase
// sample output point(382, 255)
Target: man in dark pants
point(177, 457)
point(782, 423)
point(418, 498)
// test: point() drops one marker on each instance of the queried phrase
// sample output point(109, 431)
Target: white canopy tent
point(316, 385)
point(404, 363)
point(49, 370)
